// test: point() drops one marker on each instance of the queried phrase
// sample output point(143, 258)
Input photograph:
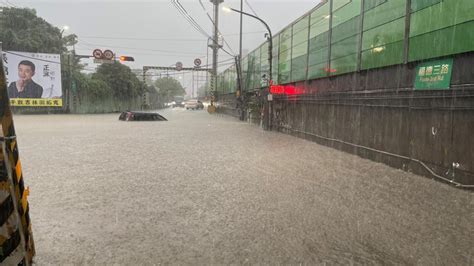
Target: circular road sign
point(197, 62)
point(109, 55)
point(179, 66)
point(97, 54)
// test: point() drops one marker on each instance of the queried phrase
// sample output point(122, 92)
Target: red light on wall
point(286, 89)
point(277, 89)
point(292, 90)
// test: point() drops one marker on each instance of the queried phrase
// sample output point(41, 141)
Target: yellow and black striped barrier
point(16, 238)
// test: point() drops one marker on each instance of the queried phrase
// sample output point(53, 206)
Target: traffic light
point(126, 58)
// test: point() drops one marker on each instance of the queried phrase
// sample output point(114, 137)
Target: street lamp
point(64, 28)
point(270, 55)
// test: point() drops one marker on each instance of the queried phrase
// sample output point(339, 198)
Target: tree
point(21, 30)
point(168, 88)
point(125, 85)
point(95, 89)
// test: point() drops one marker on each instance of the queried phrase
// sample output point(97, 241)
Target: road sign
point(103, 61)
point(109, 55)
point(179, 66)
point(97, 53)
point(434, 75)
point(197, 62)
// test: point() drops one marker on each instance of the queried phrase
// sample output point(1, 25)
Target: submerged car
point(141, 116)
point(194, 105)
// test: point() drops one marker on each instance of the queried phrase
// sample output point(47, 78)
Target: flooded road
point(203, 189)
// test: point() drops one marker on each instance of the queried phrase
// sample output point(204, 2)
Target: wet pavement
point(202, 189)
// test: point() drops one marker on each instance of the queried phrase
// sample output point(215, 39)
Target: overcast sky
point(155, 33)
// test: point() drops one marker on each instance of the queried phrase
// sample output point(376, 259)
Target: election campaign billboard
point(34, 79)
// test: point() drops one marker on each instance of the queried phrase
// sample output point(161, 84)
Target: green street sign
point(434, 75)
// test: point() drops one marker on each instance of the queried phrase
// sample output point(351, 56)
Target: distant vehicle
point(141, 116)
point(201, 105)
point(194, 105)
point(178, 101)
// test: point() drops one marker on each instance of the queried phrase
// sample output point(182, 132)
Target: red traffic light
point(127, 58)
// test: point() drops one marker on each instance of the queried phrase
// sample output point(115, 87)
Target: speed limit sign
point(197, 62)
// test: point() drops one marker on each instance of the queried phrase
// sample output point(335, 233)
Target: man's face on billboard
point(25, 72)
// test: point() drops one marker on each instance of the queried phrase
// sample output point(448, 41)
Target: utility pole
point(268, 112)
point(243, 104)
point(208, 87)
point(215, 50)
point(241, 28)
point(192, 89)
point(69, 87)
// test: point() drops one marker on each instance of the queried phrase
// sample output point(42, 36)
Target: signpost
point(434, 75)
point(97, 53)
point(108, 55)
point(103, 61)
point(179, 66)
point(197, 62)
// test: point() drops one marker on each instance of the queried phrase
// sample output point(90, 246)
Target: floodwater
point(202, 189)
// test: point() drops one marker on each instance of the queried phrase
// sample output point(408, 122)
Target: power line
point(90, 47)
point(249, 32)
point(168, 52)
point(189, 18)
point(163, 39)
point(214, 24)
point(142, 39)
point(13, 5)
point(220, 63)
point(193, 23)
point(222, 48)
point(7, 4)
point(173, 73)
point(253, 11)
point(205, 10)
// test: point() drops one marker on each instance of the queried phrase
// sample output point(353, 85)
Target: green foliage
point(95, 89)
point(22, 30)
point(168, 88)
point(125, 85)
point(99, 89)
point(70, 40)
